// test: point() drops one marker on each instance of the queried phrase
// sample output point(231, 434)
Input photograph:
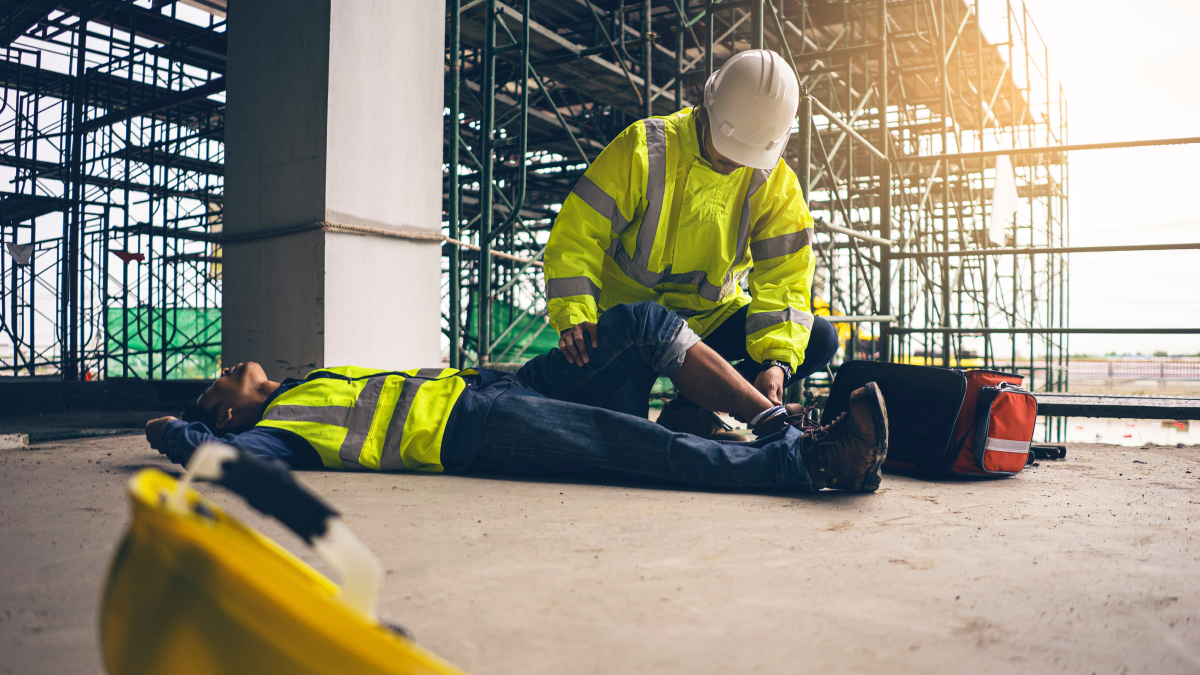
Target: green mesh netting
point(531, 336)
point(136, 339)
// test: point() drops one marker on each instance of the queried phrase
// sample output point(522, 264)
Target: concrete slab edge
point(14, 441)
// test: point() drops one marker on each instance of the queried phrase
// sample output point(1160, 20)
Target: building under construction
point(925, 148)
point(893, 207)
point(113, 135)
point(113, 149)
point(304, 196)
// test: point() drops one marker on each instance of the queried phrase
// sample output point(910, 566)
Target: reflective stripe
point(1002, 445)
point(656, 190)
point(699, 279)
point(693, 278)
point(357, 419)
point(602, 202)
point(784, 244)
point(373, 409)
point(757, 180)
point(757, 322)
point(358, 422)
point(638, 267)
point(320, 414)
point(714, 293)
point(566, 287)
point(391, 459)
point(630, 266)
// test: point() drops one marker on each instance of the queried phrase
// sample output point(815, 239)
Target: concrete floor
point(1090, 564)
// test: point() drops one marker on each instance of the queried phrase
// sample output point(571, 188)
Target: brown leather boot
point(683, 416)
point(845, 454)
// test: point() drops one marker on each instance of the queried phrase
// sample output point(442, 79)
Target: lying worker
point(549, 418)
point(679, 210)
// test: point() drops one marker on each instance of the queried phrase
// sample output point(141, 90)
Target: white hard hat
point(751, 103)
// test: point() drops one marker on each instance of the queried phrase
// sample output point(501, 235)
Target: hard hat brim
point(755, 158)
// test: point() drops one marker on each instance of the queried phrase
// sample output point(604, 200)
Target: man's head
point(751, 103)
point(235, 400)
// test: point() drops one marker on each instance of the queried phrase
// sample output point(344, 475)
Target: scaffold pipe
point(965, 253)
point(867, 318)
point(1056, 148)
point(856, 234)
point(848, 129)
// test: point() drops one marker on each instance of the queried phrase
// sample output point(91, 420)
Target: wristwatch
point(787, 368)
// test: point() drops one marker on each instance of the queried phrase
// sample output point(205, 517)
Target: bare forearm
point(710, 381)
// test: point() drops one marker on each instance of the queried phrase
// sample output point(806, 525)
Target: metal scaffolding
point(897, 93)
point(934, 159)
point(111, 137)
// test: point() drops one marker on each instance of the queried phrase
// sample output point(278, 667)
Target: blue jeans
point(562, 419)
point(729, 340)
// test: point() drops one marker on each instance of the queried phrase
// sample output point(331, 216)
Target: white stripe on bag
point(1001, 445)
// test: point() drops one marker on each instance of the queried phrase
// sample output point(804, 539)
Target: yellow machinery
point(192, 590)
point(821, 307)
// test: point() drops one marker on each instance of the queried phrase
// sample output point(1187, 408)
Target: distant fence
point(1134, 370)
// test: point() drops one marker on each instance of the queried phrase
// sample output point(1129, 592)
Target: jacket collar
point(689, 137)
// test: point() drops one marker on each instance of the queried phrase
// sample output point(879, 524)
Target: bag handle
point(977, 416)
point(949, 458)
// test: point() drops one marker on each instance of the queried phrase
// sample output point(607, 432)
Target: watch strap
point(786, 367)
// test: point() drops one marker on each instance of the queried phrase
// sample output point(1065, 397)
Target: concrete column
point(334, 116)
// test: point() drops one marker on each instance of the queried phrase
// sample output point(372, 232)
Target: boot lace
point(803, 420)
point(819, 433)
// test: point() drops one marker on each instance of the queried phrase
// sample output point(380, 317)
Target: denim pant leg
point(529, 434)
point(638, 343)
point(634, 397)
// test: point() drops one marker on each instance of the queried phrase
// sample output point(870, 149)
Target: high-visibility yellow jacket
point(371, 420)
point(652, 220)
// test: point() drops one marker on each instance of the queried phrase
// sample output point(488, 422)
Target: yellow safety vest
point(364, 419)
point(652, 220)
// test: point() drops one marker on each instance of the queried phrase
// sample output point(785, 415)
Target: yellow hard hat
point(191, 590)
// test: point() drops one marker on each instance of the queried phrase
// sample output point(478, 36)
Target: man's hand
point(575, 340)
point(154, 429)
point(770, 383)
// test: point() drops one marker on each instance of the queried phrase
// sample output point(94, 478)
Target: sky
point(1131, 71)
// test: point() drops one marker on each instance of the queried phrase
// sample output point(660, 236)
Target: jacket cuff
point(572, 315)
point(786, 355)
point(175, 443)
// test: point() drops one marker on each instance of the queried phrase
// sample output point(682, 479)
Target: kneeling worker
point(545, 419)
point(679, 210)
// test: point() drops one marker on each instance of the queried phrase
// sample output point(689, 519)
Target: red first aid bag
point(943, 421)
point(995, 425)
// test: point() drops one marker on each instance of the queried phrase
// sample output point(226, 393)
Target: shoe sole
point(873, 478)
point(671, 411)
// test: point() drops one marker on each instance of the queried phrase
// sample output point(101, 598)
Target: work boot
point(683, 416)
point(847, 453)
